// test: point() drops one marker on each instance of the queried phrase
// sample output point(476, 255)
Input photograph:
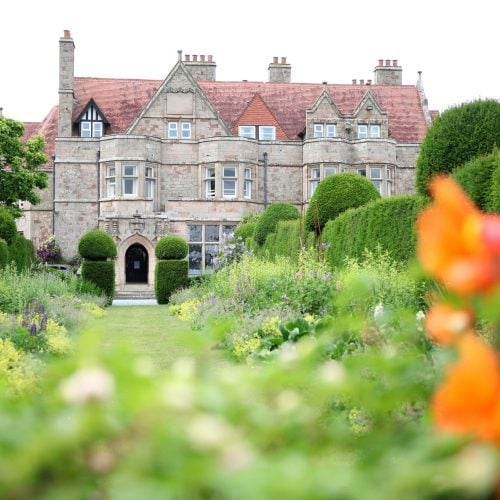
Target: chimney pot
point(283, 60)
point(67, 34)
point(195, 57)
point(275, 60)
point(361, 81)
point(354, 81)
point(380, 62)
point(210, 58)
point(188, 57)
point(202, 58)
point(368, 82)
point(325, 83)
point(394, 62)
point(387, 62)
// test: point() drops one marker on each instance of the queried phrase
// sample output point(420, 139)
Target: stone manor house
point(191, 155)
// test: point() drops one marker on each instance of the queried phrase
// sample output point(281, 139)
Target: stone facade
point(138, 183)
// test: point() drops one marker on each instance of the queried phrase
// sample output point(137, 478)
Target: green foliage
point(245, 230)
point(4, 253)
point(8, 229)
point(102, 275)
point(97, 245)
point(475, 178)
point(20, 176)
point(494, 205)
point(171, 248)
point(290, 238)
point(21, 252)
point(457, 136)
point(170, 275)
point(334, 195)
point(388, 224)
point(274, 213)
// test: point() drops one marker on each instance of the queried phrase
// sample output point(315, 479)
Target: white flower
point(86, 385)
point(332, 372)
point(420, 316)
point(378, 311)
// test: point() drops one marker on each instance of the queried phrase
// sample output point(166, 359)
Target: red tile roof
point(121, 100)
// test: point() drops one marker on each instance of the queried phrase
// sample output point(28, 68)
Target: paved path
point(134, 302)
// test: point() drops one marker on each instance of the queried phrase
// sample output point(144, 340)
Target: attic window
point(91, 121)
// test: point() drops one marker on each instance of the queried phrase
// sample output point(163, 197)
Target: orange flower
point(445, 323)
point(458, 244)
point(469, 400)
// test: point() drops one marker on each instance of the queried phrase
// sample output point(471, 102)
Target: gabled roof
point(91, 104)
point(258, 113)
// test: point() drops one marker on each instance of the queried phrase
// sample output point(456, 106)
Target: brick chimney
point(389, 73)
point(66, 84)
point(280, 72)
point(201, 67)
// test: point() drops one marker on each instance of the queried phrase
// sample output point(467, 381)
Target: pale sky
point(454, 43)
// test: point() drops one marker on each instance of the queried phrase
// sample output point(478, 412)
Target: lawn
point(149, 331)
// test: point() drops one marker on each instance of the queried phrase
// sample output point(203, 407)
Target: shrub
point(334, 195)
point(21, 252)
point(458, 135)
point(97, 245)
point(271, 216)
point(475, 177)
point(494, 204)
point(101, 274)
point(245, 230)
point(4, 253)
point(170, 275)
point(171, 248)
point(388, 223)
point(290, 238)
point(8, 228)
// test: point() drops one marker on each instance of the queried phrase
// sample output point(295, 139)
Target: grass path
point(148, 331)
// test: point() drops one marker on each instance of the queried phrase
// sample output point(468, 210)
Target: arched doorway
point(136, 264)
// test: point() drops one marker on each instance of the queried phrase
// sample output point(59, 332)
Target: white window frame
point(362, 131)
point(377, 178)
point(318, 130)
point(329, 170)
point(186, 130)
point(85, 129)
point(267, 133)
point(247, 131)
point(149, 182)
point(110, 182)
point(129, 177)
point(375, 131)
point(226, 178)
point(314, 179)
point(330, 130)
point(172, 130)
point(247, 183)
point(209, 181)
point(97, 128)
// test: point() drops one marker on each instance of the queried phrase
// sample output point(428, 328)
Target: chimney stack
point(388, 74)
point(201, 66)
point(66, 84)
point(280, 72)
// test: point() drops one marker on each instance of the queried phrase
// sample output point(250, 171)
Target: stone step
point(134, 294)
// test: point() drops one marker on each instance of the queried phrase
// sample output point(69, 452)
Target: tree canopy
point(19, 165)
point(460, 134)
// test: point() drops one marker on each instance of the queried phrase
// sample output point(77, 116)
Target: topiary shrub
point(334, 195)
point(97, 245)
point(170, 275)
point(245, 230)
point(475, 177)
point(171, 247)
point(275, 212)
point(8, 229)
point(455, 137)
point(4, 253)
point(21, 252)
point(101, 274)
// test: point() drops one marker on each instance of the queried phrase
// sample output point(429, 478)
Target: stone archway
point(136, 264)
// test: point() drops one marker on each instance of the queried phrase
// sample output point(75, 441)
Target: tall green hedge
point(289, 238)
point(4, 253)
point(275, 212)
point(8, 229)
point(102, 274)
point(246, 229)
point(21, 252)
point(388, 223)
point(494, 205)
point(334, 195)
point(170, 275)
point(476, 178)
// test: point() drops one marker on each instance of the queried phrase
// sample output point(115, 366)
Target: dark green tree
point(460, 134)
point(19, 165)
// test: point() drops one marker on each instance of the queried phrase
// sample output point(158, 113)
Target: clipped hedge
point(171, 247)
point(494, 205)
point(4, 253)
point(97, 245)
point(245, 230)
point(334, 195)
point(476, 179)
point(170, 275)
point(102, 274)
point(274, 213)
point(21, 252)
point(8, 229)
point(290, 238)
point(388, 223)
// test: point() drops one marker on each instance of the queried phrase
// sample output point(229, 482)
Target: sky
point(455, 44)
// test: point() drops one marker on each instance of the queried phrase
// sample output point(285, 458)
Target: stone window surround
point(324, 129)
point(212, 181)
point(107, 177)
point(382, 177)
point(369, 131)
point(179, 129)
point(260, 131)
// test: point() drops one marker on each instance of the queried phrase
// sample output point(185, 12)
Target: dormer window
point(263, 132)
point(267, 133)
point(247, 131)
point(324, 130)
point(91, 121)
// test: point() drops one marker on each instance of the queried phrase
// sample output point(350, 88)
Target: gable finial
point(179, 55)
